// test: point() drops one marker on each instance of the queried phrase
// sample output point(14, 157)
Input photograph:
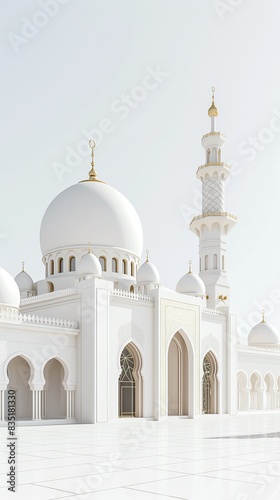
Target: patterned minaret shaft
point(213, 225)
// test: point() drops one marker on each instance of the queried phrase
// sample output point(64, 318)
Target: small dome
point(263, 333)
point(89, 265)
point(24, 281)
point(147, 273)
point(9, 291)
point(191, 284)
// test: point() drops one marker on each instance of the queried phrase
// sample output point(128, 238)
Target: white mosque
point(100, 338)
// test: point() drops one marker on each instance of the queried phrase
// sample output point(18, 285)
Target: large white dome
point(91, 212)
point(9, 291)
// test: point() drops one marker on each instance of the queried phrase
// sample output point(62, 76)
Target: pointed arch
point(255, 391)
point(130, 383)
point(269, 399)
point(210, 384)
point(177, 376)
point(242, 391)
point(54, 394)
point(19, 375)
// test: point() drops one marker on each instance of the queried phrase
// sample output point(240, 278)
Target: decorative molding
point(129, 295)
point(48, 296)
point(213, 312)
point(40, 320)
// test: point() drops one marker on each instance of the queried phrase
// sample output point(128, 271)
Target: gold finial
point(190, 267)
point(23, 264)
point(263, 313)
point(213, 111)
point(89, 247)
point(147, 255)
point(92, 173)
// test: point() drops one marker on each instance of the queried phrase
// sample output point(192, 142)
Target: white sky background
point(66, 78)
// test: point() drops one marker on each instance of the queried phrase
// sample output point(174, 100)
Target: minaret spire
point(213, 225)
point(213, 111)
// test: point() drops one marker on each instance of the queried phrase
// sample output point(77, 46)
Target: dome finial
point(213, 111)
point(92, 173)
point(23, 264)
point(89, 247)
point(190, 266)
point(263, 313)
point(147, 255)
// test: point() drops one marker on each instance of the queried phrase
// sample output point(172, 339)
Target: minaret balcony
point(220, 169)
point(225, 220)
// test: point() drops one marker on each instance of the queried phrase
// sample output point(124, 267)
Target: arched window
point(130, 383)
point(215, 261)
point(206, 262)
point(214, 155)
point(114, 265)
point(132, 268)
point(72, 264)
point(209, 384)
point(60, 265)
point(223, 262)
point(51, 267)
point(46, 268)
point(208, 156)
point(219, 155)
point(124, 266)
point(103, 263)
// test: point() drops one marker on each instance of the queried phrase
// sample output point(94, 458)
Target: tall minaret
point(215, 223)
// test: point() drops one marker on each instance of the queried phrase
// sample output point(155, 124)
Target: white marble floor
point(211, 457)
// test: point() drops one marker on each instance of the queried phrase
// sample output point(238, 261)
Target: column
point(70, 403)
point(2, 404)
point(36, 404)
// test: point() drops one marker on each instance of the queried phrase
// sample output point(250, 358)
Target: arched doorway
point(269, 402)
point(18, 371)
point(243, 391)
point(255, 391)
point(210, 391)
point(54, 394)
point(177, 376)
point(130, 383)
